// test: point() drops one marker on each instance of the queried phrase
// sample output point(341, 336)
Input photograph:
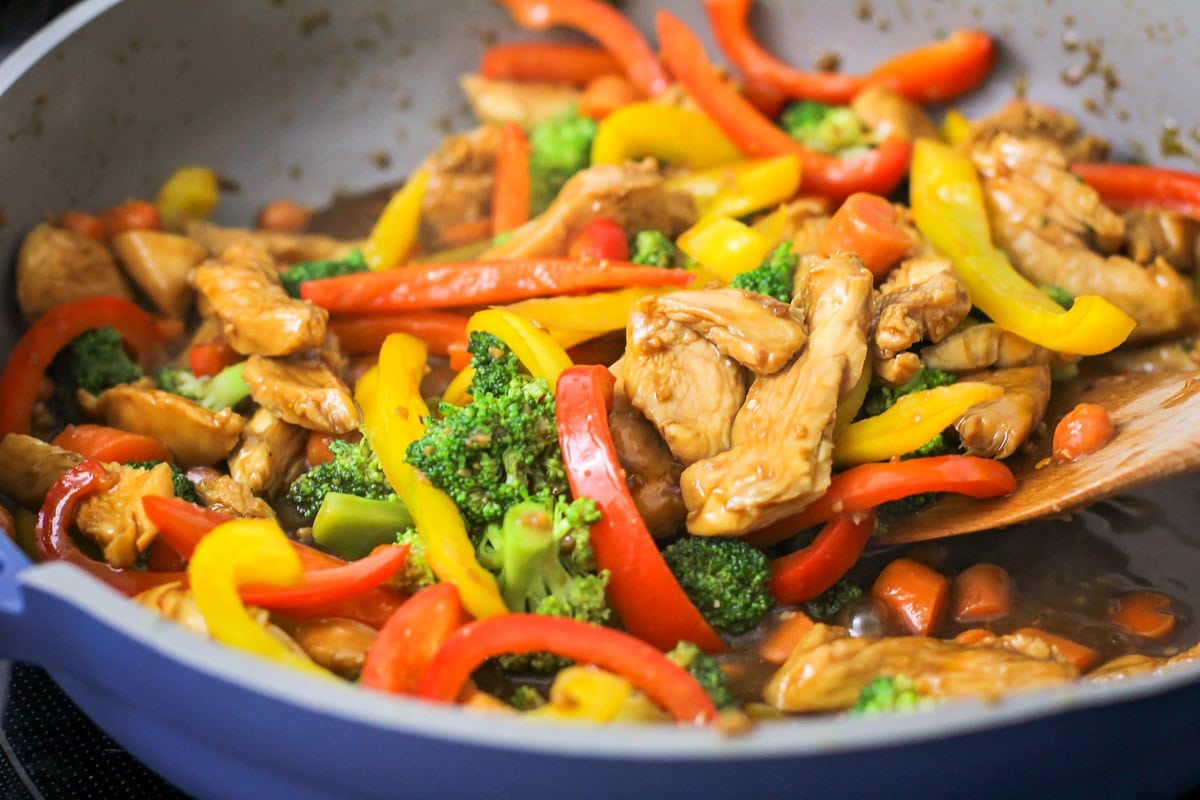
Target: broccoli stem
point(351, 527)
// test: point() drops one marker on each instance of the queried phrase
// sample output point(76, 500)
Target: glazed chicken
point(309, 394)
point(115, 520)
point(266, 458)
point(525, 103)
point(922, 299)
point(996, 429)
point(58, 266)
point(460, 172)
point(1025, 120)
point(288, 248)
point(1153, 233)
point(29, 467)
point(196, 436)
point(981, 346)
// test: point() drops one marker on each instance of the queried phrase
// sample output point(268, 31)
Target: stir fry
point(599, 416)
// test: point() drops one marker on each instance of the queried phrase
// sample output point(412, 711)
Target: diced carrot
point(982, 592)
point(318, 452)
point(1082, 656)
point(1145, 614)
point(605, 94)
point(456, 234)
point(782, 639)
point(83, 223)
point(973, 636)
point(365, 333)
point(1084, 430)
point(284, 216)
point(510, 191)
point(866, 226)
point(916, 594)
point(212, 357)
point(132, 215)
point(103, 443)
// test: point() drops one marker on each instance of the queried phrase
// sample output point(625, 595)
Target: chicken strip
point(651, 471)
point(632, 194)
point(922, 299)
point(782, 438)
point(225, 495)
point(1153, 233)
point(241, 289)
point(196, 436)
point(981, 346)
point(288, 248)
point(306, 394)
point(29, 467)
point(56, 266)
point(461, 174)
point(888, 114)
point(1026, 120)
point(526, 103)
point(996, 428)
point(268, 453)
point(115, 520)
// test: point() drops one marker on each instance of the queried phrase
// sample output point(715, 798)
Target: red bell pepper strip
point(606, 25)
point(800, 576)
point(510, 189)
point(663, 681)
point(410, 639)
point(210, 358)
point(324, 586)
point(365, 333)
point(641, 587)
point(599, 240)
point(931, 74)
point(869, 485)
point(547, 62)
point(877, 170)
point(54, 330)
point(1126, 186)
point(110, 444)
point(183, 525)
point(478, 283)
point(57, 517)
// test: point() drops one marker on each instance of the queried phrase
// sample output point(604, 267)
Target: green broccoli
point(884, 397)
point(706, 670)
point(354, 470)
point(224, 390)
point(652, 248)
point(727, 579)
point(416, 573)
point(1058, 295)
point(937, 446)
point(184, 488)
point(905, 507)
point(826, 605)
point(95, 360)
point(526, 698)
point(500, 449)
point(773, 277)
point(886, 694)
point(298, 273)
point(825, 129)
point(558, 148)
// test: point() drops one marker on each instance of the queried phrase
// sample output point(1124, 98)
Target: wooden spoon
point(1157, 418)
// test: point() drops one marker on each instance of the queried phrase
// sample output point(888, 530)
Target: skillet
point(303, 98)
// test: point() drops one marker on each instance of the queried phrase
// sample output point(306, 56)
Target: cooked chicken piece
point(159, 263)
point(632, 194)
point(196, 436)
point(922, 299)
point(226, 495)
point(267, 455)
point(828, 670)
point(799, 222)
point(1152, 233)
point(1135, 664)
point(1045, 218)
point(56, 266)
point(240, 289)
point(982, 346)
point(304, 394)
point(996, 428)
point(888, 114)
point(29, 467)
point(339, 645)
point(288, 248)
point(460, 178)
point(681, 361)
point(1031, 121)
point(1171, 357)
point(782, 438)
point(527, 104)
point(115, 520)
point(651, 471)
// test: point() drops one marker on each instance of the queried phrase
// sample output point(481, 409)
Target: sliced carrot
point(212, 357)
point(284, 216)
point(916, 594)
point(547, 62)
point(103, 443)
point(1145, 614)
point(866, 226)
point(973, 636)
point(456, 234)
point(83, 223)
point(782, 639)
point(1082, 656)
point(510, 192)
point(365, 333)
point(605, 94)
point(132, 215)
point(981, 593)
point(1084, 430)
point(460, 359)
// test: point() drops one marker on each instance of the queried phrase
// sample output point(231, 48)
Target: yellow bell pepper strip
point(238, 552)
point(396, 229)
point(537, 352)
point(741, 188)
point(671, 134)
point(457, 391)
point(189, 192)
point(724, 246)
point(584, 694)
point(390, 398)
point(948, 208)
point(848, 409)
point(910, 423)
point(595, 313)
point(956, 128)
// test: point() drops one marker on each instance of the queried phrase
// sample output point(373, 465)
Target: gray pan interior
point(307, 98)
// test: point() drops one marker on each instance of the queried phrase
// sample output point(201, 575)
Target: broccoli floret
point(773, 277)
point(937, 446)
point(558, 148)
point(928, 378)
point(886, 694)
point(224, 390)
point(184, 488)
point(293, 276)
point(354, 469)
point(706, 670)
point(823, 128)
point(827, 604)
point(896, 510)
point(416, 573)
point(495, 365)
point(726, 579)
point(500, 449)
point(1058, 295)
point(95, 360)
point(653, 249)
point(526, 698)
